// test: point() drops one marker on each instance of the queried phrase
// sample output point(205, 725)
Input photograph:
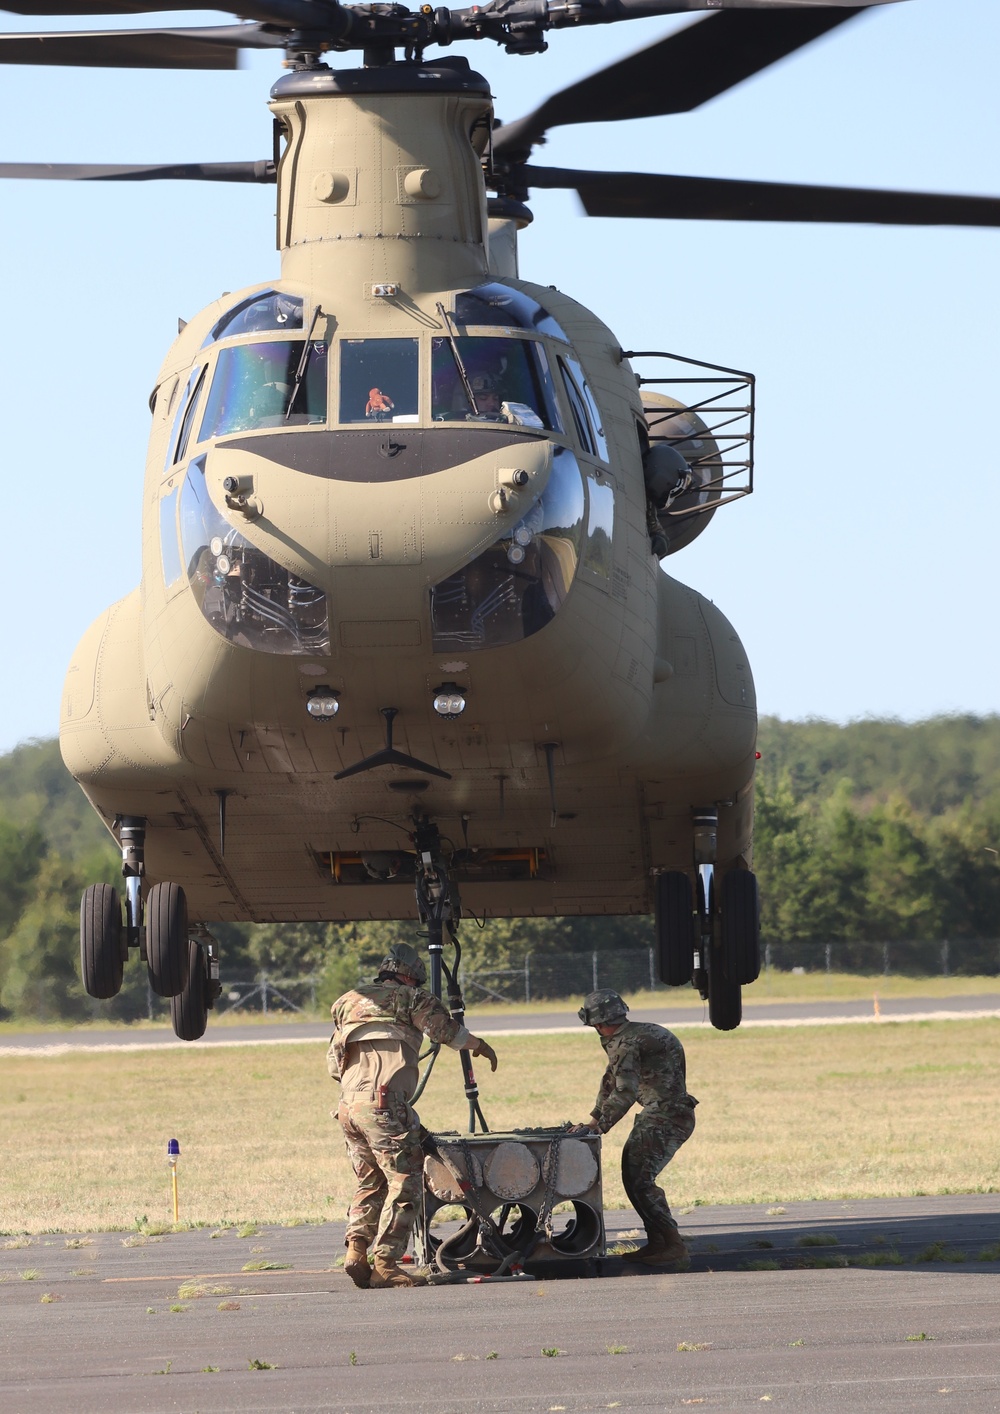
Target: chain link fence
point(556, 976)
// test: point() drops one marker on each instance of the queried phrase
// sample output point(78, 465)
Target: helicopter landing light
point(389, 291)
point(515, 554)
point(449, 701)
point(322, 704)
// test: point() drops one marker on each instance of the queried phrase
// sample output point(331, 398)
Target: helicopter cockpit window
point(242, 592)
point(181, 433)
point(504, 308)
point(265, 311)
point(586, 414)
point(515, 588)
point(379, 380)
point(170, 555)
point(510, 381)
point(267, 385)
point(600, 527)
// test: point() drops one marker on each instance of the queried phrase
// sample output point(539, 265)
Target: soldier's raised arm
point(437, 1024)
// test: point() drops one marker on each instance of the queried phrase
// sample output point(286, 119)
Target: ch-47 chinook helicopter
point(402, 623)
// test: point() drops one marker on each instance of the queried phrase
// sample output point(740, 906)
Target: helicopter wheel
point(102, 954)
point(167, 954)
point(675, 935)
point(725, 1000)
point(741, 926)
point(189, 1008)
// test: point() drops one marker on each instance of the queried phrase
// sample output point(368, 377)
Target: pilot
point(373, 1053)
point(645, 1067)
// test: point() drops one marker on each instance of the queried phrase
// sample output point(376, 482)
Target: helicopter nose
point(375, 504)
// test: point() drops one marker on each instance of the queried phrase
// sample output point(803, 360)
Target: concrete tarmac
point(770, 1314)
point(289, 1032)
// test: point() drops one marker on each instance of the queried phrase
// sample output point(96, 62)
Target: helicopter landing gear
point(167, 955)
point(103, 943)
point(712, 975)
point(190, 1007)
point(727, 956)
point(675, 930)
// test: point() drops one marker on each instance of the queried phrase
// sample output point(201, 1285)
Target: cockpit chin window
point(267, 385)
point(515, 588)
point(242, 593)
point(265, 311)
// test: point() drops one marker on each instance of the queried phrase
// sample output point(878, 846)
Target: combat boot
point(388, 1272)
point(638, 1253)
point(665, 1247)
point(356, 1262)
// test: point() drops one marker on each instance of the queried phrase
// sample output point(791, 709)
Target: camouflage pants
point(654, 1141)
point(384, 1149)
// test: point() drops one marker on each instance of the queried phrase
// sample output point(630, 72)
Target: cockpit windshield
point(492, 380)
point(379, 380)
point(265, 311)
point(267, 385)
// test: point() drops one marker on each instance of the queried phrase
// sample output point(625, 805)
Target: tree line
point(874, 832)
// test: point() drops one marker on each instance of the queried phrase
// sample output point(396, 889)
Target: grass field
point(817, 1112)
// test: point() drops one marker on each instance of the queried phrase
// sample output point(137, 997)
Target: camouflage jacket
point(646, 1067)
point(391, 1011)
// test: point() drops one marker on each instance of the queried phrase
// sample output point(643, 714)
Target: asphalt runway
point(289, 1032)
point(118, 1322)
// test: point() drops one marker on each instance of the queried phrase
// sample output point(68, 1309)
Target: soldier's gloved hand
point(483, 1048)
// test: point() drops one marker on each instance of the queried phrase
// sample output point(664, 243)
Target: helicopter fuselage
point(396, 476)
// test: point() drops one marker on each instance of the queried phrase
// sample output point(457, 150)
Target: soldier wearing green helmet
point(645, 1067)
point(373, 1053)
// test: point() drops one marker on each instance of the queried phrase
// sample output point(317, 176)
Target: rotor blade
point(718, 199)
point(116, 172)
point(277, 12)
point(677, 74)
point(211, 47)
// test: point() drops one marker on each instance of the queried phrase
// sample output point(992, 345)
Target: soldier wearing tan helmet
point(645, 1067)
point(373, 1053)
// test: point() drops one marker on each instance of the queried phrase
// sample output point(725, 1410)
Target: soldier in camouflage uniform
point(373, 1053)
point(645, 1066)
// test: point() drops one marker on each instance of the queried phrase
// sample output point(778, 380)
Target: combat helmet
point(602, 1008)
point(402, 958)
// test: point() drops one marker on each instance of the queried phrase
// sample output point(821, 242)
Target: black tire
point(102, 957)
point(741, 927)
point(189, 1009)
point(725, 1000)
point(675, 931)
point(167, 939)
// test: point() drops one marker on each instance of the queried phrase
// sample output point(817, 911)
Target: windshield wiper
point(446, 319)
point(300, 372)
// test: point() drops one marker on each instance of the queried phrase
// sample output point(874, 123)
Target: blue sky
point(863, 573)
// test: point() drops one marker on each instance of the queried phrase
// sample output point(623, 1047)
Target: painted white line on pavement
point(64, 1048)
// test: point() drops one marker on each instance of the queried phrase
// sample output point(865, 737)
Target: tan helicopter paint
point(640, 683)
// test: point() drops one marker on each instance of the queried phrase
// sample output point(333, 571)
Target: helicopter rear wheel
point(675, 932)
point(102, 956)
point(725, 1000)
point(167, 953)
point(189, 1008)
point(741, 926)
